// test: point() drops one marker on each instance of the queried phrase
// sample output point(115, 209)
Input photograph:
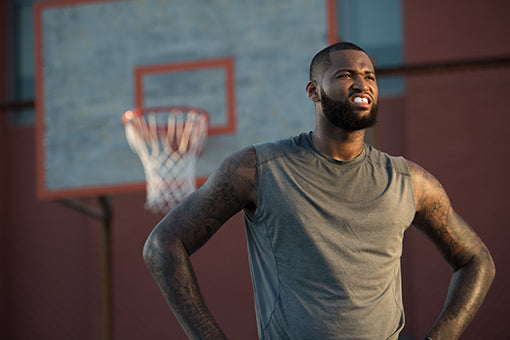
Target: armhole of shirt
point(256, 213)
point(402, 167)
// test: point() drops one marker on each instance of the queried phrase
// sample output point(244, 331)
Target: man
point(325, 216)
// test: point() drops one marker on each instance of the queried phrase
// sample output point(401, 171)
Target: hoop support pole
point(104, 214)
point(106, 268)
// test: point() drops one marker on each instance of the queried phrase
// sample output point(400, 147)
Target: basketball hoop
point(168, 141)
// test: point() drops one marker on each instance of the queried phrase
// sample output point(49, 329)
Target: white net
point(168, 142)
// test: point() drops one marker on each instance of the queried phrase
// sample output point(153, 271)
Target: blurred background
point(71, 267)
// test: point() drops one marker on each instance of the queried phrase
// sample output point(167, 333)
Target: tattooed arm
point(472, 265)
point(186, 228)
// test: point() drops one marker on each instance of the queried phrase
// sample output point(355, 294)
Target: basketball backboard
point(245, 62)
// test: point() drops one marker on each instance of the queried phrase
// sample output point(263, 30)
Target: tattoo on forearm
point(193, 222)
point(462, 249)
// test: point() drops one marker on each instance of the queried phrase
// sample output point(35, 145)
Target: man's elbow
point(491, 266)
point(485, 265)
point(161, 250)
point(150, 250)
point(155, 250)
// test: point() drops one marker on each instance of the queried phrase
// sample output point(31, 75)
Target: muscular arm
point(186, 228)
point(471, 263)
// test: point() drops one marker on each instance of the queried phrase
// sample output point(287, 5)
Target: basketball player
point(325, 215)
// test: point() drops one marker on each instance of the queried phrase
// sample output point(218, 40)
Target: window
point(22, 78)
point(376, 26)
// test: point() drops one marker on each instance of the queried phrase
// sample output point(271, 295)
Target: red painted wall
point(456, 126)
point(53, 271)
point(3, 152)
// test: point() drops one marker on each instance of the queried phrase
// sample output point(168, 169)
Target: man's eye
point(344, 75)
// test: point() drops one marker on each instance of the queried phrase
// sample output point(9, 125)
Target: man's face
point(349, 93)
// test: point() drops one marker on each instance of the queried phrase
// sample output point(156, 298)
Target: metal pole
point(106, 270)
point(104, 214)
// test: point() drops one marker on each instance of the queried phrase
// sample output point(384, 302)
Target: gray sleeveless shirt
point(325, 242)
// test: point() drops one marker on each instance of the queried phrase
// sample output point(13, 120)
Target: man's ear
point(312, 90)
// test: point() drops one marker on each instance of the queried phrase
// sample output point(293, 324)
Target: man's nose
point(360, 83)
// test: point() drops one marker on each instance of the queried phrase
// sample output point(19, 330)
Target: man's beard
point(341, 115)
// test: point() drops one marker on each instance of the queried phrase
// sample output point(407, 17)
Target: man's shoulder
point(280, 147)
point(284, 142)
point(398, 163)
point(249, 156)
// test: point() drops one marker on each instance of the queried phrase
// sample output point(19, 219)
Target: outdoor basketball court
point(101, 66)
point(243, 65)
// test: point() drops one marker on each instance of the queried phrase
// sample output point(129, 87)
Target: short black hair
point(321, 61)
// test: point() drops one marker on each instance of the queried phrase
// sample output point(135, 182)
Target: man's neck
point(339, 144)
